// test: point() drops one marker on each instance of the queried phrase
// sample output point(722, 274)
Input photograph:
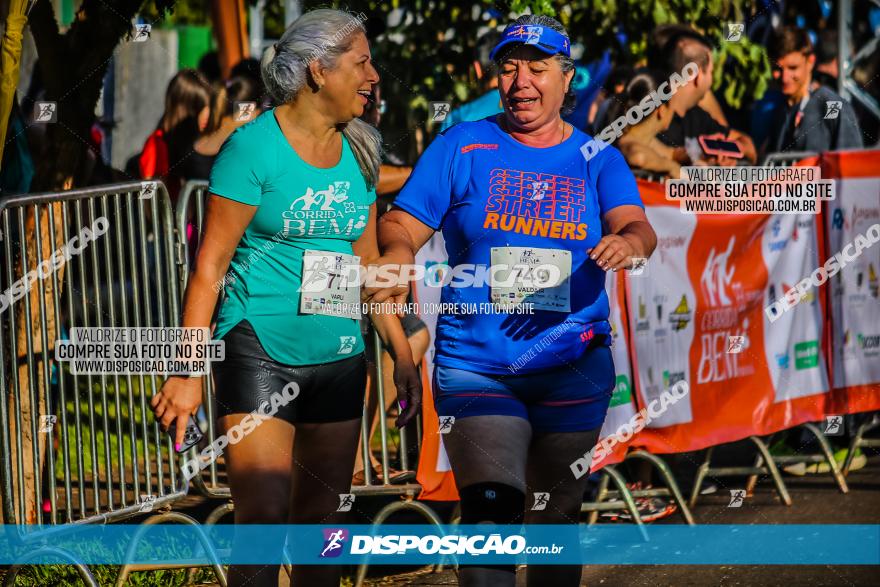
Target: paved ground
point(816, 500)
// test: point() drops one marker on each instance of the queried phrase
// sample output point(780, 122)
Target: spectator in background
point(392, 175)
point(690, 120)
point(611, 92)
point(814, 120)
point(392, 172)
point(209, 66)
point(186, 115)
point(250, 68)
point(826, 71)
point(489, 103)
point(233, 104)
point(638, 143)
point(660, 37)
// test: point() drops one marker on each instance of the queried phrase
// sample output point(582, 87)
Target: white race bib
point(526, 275)
point(330, 284)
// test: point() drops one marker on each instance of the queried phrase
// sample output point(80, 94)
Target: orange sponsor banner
point(697, 314)
point(851, 220)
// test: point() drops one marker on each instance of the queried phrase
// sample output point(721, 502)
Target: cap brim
point(506, 42)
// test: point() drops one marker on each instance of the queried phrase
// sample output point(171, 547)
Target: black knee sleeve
point(492, 502)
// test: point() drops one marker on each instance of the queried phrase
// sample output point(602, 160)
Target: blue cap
point(542, 38)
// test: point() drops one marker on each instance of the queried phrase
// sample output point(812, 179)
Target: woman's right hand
point(176, 401)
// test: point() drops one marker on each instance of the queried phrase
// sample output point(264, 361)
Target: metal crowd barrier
point(82, 448)
point(650, 175)
point(787, 159)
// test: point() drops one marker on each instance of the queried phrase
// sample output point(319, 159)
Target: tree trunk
point(73, 68)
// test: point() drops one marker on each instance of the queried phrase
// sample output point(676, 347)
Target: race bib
point(330, 284)
point(526, 275)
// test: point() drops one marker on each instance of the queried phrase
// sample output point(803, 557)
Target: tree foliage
point(425, 53)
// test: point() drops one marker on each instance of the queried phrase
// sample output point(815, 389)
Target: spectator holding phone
point(814, 119)
point(690, 120)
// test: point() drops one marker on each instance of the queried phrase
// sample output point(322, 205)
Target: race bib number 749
point(528, 275)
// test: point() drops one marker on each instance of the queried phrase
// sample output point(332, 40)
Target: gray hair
point(321, 35)
point(565, 63)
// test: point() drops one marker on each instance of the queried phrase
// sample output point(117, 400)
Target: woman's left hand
point(409, 391)
point(613, 252)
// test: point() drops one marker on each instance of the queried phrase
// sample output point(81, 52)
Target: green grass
point(126, 419)
point(66, 575)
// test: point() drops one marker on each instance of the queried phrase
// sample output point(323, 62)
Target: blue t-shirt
point(482, 188)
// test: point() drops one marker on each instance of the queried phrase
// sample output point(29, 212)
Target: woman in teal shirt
point(292, 198)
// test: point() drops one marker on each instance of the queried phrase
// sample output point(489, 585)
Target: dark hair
point(250, 68)
point(483, 48)
point(644, 82)
point(187, 95)
point(682, 46)
point(237, 89)
point(209, 66)
point(566, 63)
point(790, 39)
point(620, 75)
point(827, 50)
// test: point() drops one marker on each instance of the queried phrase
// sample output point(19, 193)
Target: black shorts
point(248, 378)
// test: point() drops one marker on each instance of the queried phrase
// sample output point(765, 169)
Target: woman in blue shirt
point(515, 192)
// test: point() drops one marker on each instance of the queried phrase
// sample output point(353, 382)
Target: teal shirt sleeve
point(238, 170)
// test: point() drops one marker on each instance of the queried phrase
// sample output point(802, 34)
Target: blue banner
point(666, 544)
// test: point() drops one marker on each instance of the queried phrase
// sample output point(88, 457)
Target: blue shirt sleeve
point(238, 169)
point(427, 194)
point(616, 184)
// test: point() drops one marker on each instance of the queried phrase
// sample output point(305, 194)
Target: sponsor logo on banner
point(782, 360)
point(780, 244)
point(622, 392)
point(720, 320)
point(873, 285)
point(869, 344)
point(681, 315)
point(808, 296)
point(660, 332)
point(665, 244)
point(849, 349)
point(859, 296)
point(716, 277)
point(642, 324)
point(670, 379)
point(841, 220)
point(806, 355)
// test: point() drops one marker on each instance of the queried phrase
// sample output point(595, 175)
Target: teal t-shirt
point(299, 207)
